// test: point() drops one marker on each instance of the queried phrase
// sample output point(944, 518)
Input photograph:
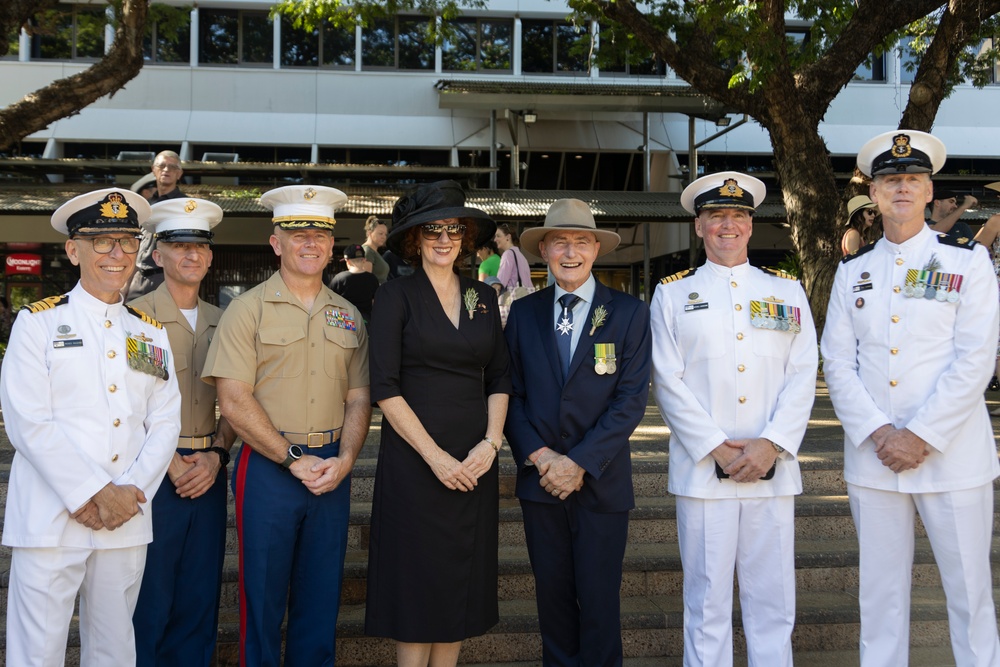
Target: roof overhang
point(577, 95)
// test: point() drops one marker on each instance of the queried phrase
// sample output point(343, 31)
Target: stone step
point(826, 628)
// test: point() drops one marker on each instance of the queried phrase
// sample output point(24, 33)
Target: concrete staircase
point(826, 632)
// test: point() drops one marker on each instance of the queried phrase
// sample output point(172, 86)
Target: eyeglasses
point(105, 244)
point(431, 232)
point(166, 167)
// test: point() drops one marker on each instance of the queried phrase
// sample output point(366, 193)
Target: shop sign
point(23, 263)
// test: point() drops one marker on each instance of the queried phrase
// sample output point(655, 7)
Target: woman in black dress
point(439, 372)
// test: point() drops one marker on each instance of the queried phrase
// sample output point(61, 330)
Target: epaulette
point(960, 242)
point(144, 317)
point(46, 303)
point(779, 273)
point(677, 276)
point(862, 250)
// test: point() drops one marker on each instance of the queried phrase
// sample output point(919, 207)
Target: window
point(399, 43)
point(908, 62)
point(235, 37)
point(622, 54)
point(554, 47)
point(257, 153)
point(478, 45)
point(70, 32)
point(168, 35)
point(338, 46)
point(299, 47)
point(872, 69)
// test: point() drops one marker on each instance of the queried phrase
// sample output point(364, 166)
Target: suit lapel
point(585, 346)
point(544, 306)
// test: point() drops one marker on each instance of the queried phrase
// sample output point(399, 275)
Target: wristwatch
point(294, 454)
point(223, 455)
point(778, 448)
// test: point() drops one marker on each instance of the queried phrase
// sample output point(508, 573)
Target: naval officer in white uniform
point(908, 347)
point(93, 411)
point(734, 375)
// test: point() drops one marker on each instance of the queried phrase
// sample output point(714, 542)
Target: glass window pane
point(458, 53)
point(299, 48)
point(872, 69)
point(572, 48)
point(907, 62)
point(90, 22)
point(338, 46)
point(173, 43)
point(415, 49)
point(219, 36)
point(494, 44)
point(258, 38)
point(536, 46)
point(55, 33)
point(377, 45)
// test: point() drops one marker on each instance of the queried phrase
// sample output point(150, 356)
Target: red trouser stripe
point(241, 478)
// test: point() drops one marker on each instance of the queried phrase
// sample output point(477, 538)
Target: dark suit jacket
point(591, 417)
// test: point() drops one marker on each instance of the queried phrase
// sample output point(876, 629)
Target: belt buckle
point(315, 439)
point(200, 442)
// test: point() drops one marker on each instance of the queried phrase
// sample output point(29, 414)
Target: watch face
point(295, 452)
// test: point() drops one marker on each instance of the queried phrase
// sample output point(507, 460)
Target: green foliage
point(791, 264)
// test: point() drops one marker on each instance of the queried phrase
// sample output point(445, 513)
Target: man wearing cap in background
point(177, 617)
point(145, 186)
point(92, 409)
point(290, 361)
point(946, 211)
point(910, 336)
point(357, 284)
point(167, 173)
point(734, 375)
point(579, 356)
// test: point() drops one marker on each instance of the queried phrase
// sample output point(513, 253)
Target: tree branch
point(66, 97)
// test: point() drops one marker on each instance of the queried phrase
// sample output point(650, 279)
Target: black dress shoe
point(994, 384)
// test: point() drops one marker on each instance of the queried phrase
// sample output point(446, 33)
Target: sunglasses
point(432, 232)
point(105, 244)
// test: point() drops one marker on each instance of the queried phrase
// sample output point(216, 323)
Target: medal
point(604, 358)
point(146, 358)
point(918, 290)
point(600, 368)
point(612, 367)
point(941, 295)
point(953, 297)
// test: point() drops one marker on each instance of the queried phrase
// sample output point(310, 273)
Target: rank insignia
point(604, 359)
point(774, 315)
point(730, 188)
point(146, 358)
point(335, 317)
point(114, 206)
point(901, 145)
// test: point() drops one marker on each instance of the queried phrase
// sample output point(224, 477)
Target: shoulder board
point(677, 276)
point(46, 304)
point(144, 317)
point(780, 274)
point(960, 242)
point(862, 250)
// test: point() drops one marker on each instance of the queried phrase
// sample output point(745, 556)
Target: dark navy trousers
point(292, 548)
point(176, 618)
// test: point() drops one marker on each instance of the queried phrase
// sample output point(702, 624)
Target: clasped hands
point(559, 474)
point(899, 449)
point(462, 475)
point(194, 474)
point(746, 459)
point(110, 507)
point(320, 475)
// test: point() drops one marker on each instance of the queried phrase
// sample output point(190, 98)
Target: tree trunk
point(66, 97)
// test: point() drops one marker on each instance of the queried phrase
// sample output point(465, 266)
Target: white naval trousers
point(43, 586)
point(960, 527)
point(756, 538)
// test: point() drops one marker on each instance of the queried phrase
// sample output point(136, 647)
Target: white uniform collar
point(726, 271)
point(78, 295)
point(912, 243)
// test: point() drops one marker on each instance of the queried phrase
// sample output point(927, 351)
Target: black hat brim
point(485, 226)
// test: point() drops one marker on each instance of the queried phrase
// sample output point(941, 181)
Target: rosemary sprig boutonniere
point(471, 299)
point(597, 320)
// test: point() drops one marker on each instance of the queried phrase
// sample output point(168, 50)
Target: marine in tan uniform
point(177, 616)
point(291, 365)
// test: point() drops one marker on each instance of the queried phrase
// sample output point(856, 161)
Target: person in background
point(148, 276)
point(176, 619)
point(861, 227)
point(514, 271)
point(945, 213)
point(356, 283)
point(92, 409)
point(910, 337)
point(489, 260)
point(989, 236)
point(290, 362)
point(375, 234)
point(145, 186)
point(440, 375)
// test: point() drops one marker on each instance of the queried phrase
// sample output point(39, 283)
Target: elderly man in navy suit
point(580, 364)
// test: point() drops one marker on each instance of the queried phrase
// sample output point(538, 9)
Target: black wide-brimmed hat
point(431, 202)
